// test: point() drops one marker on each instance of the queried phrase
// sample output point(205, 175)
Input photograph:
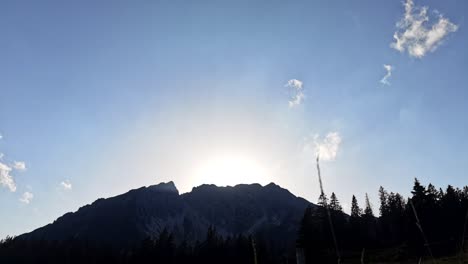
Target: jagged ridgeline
point(251, 224)
point(270, 213)
point(147, 211)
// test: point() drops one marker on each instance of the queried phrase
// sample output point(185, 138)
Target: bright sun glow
point(230, 171)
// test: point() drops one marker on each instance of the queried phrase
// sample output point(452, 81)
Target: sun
point(229, 170)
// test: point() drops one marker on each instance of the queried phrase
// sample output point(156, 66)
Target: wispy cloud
point(26, 197)
point(326, 148)
point(296, 91)
point(389, 69)
point(19, 165)
point(417, 35)
point(66, 185)
point(6, 180)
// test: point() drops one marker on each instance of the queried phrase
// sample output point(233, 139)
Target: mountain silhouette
point(126, 219)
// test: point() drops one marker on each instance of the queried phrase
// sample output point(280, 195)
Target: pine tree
point(323, 200)
point(432, 193)
point(419, 194)
point(335, 204)
point(384, 208)
point(400, 203)
point(418, 189)
point(355, 238)
point(355, 210)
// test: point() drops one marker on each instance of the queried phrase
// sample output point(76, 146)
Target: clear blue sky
point(98, 97)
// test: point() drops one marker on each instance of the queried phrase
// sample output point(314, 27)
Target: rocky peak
point(164, 187)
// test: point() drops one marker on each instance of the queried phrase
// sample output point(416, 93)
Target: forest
point(426, 226)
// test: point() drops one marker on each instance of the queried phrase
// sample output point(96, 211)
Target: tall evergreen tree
point(356, 237)
point(432, 194)
point(323, 200)
point(418, 189)
point(355, 210)
point(383, 196)
point(335, 204)
point(419, 194)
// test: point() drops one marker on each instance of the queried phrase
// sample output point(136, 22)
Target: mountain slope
point(145, 212)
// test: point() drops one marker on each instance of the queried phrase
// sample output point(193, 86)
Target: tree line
point(431, 223)
point(161, 249)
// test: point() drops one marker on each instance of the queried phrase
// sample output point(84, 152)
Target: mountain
point(128, 218)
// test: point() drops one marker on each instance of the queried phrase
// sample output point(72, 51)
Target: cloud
point(26, 197)
point(389, 69)
point(1, 136)
point(326, 148)
point(6, 180)
point(66, 185)
point(19, 165)
point(417, 35)
point(297, 92)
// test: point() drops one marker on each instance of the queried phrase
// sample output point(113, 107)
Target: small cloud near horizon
point(66, 185)
point(26, 197)
point(297, 92)
point(416, 35)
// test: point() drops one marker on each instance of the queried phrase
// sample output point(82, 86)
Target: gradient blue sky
point(113, 95)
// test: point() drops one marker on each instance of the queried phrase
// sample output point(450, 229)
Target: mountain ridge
point(128, 218)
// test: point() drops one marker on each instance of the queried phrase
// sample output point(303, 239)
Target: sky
point(100, 97)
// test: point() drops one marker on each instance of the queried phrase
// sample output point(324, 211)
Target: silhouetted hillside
point(251, 224)
point(145, 212)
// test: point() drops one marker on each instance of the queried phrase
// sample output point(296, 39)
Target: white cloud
point(326, 148)
point(19, 165)
point(26, 197)
point(1, 136)
point(66, 185)
point(389, 69)
point(416, 35)
point(297, 92)
point(6, 180)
